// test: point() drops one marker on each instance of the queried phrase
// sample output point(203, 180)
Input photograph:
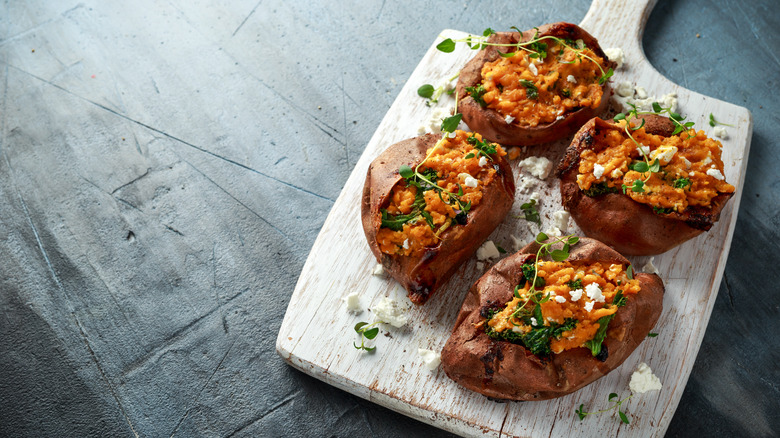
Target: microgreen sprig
point(646, 167)
point(535, 47)
point(715, 123)
point(557, 255)
point(366, 331)
point(613, 398)
point(433, 94)
point(531, 214)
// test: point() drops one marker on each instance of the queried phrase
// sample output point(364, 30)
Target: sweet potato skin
point(491, 124)
point(630, 227)
point(422, 276)
point(508, 371)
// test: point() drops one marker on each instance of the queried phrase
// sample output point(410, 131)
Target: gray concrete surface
point(165, 167)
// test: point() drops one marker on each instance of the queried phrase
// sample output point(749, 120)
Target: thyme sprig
point(433, 94)
point(715, 123)
point(613, 398)
point(646, 167)
point(536, 47)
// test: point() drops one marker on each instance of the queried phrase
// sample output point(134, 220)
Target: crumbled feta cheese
point(589, 306)
point(517, 243)
point(430, 358)
point(624, 89)
point(559, 118)
point(617, 173)
point(482, 161)
point(707, 160)
point(534, 322)
point(378, 270)
point(470, 181)
point(616, 55)
point(686, 162)
point(451, 134)
point(664, 154)
point(523, 184)
point(487, 251)
point(643, 150)
point(641, 93)
point(649, 267)
point(594, 292)
point(509, 119)
point(571, 79)
point(389, 312)
point(553, 231)
point(406, 244)
point(643, 380)
point(560, 299)
point(721, 132)
point(715, 173)
point(539, 167)
point(561, 219)
point(669, 101)
point(534, 196)
point(598, 170)
point(353, 303)
point(532, 69)
point(480, 266)
point(433, 124)
point(576, 294)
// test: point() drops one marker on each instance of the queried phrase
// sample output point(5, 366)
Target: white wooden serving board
point(316, 335)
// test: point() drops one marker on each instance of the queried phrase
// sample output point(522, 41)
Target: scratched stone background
point(165, 167)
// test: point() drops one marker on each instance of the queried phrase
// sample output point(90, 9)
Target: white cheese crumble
point(517, 243)
point(539, 167)
point(571, 79)
point(643, 380)
point(641, 93)
point(643, 150)
point(534, 322)
point(433, 124)
point(389, 312)
point(707, 160)
point(598, 170)
point(430, 358)
point(576, 294)
point(589, 306)
point(664, 154)
point(487, 251)
point(553, 231)
point(451, 134)
point(559, 118)
point(561, 220)
point(470, 181)
point(534, 196)
point(532, 68)
point(378, 270)
point(560, 299)
point(353, 303)
point(509, 119)
point(594, 292)
point(721, 132)
point(482, 161)
point(649, 267)
point(687, 163)
point(617, 173)
point(406, 244)
point(715, 173)
point(624, 89)
point(616, 55)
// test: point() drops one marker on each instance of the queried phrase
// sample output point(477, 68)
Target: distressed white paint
point(316, 335)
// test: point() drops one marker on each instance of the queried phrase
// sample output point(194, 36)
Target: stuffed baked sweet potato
point(429, 202)
point(605, 187)
point(580, 322)
point(555, 82)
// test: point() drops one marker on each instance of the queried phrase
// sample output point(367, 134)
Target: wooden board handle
point(617, 23)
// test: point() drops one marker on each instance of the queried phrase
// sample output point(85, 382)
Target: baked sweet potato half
point(429, 202)
point(514, 342)
point(536, 86)
point(599, 179)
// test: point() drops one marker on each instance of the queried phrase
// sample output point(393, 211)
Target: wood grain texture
point(320, 342)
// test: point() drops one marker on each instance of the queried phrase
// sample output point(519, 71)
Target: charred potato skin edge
point(630, 227)
point(422, 276)
point(491, 123)
point(506, 371)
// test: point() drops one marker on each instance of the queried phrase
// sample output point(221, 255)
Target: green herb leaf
point(530, 212)
point(487, 32)
point(656, 107)
point(406, 171)
point(469, 155)
point(574, 284)
point(623, 417)
point(371, 334)
point(612, 396)
point(638, 186)
point(619, 116)
point(476, 93)
point(501, 250)
point(573, 240)
point(530, 89)
point(580, 413)
point(619, 300)
point(450, 124)
point(599, 189)
point(655, 167)
point(425, 91)
point(606, 76)
point(652, 335)
point(360, 325)
point(681, 183)
point(541, 237)
point(446, 46)
point(559, 255)
point(595, 343)
point(630, 272)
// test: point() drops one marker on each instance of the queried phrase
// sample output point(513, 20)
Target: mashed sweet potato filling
point(583, 292)
point(691, 167)
point(459, 168)
point(535, 91)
